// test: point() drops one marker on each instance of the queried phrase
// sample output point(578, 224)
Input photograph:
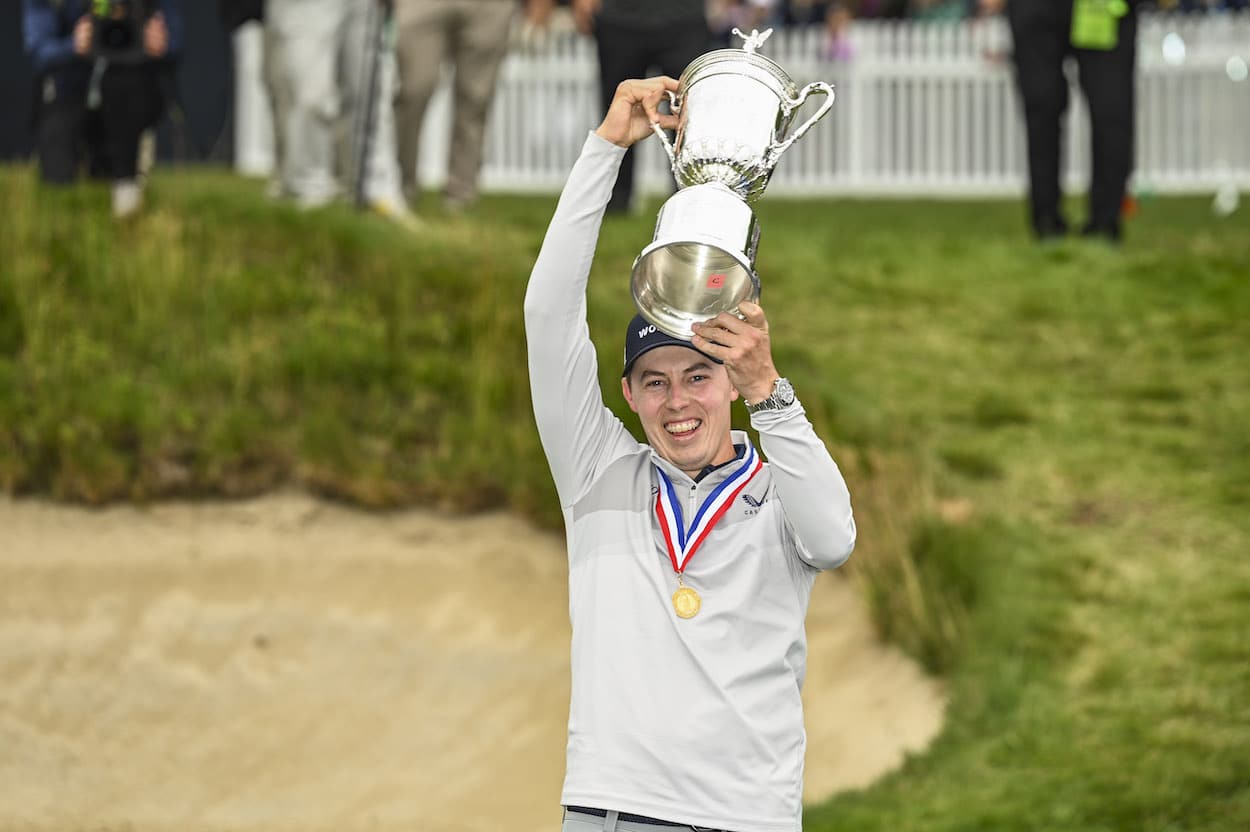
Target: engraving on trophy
point(724, 160)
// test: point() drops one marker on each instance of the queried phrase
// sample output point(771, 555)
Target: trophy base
point(701, 261)
point(678, 284)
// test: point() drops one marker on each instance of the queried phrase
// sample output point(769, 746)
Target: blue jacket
point(48, 27)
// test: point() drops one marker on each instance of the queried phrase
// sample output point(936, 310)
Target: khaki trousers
point(471, 37)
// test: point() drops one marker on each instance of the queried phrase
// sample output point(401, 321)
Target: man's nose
point(677, 397)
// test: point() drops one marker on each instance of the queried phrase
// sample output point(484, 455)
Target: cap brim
point(674, 343)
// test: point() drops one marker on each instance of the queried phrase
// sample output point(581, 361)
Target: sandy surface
point(287, 664)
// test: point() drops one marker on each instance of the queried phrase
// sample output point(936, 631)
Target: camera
point(118, 30)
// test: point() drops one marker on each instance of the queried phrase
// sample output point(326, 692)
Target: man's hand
point(83, 34)
point(634, 108)
point(155, 36)
point(744, 346)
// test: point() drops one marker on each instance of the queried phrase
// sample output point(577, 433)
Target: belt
point(625, 816)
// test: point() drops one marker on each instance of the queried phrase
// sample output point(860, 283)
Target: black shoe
point(1109, 233)
point(1050, 229)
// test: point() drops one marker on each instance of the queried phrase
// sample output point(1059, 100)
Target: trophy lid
point(744, 61)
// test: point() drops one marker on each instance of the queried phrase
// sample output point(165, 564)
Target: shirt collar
point(740, 441)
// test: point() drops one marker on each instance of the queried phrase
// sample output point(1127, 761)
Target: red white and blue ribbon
point(683, 541)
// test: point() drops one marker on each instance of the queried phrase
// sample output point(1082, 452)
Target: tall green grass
point(1048, 447)
point(222, 345)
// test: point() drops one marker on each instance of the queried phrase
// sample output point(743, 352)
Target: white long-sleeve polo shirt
point(697, 720)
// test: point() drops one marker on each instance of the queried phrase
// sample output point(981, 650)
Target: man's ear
point(628, 393)
point(733, 394)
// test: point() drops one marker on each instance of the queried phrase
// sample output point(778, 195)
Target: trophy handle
point(675, 106)
point(821, 87)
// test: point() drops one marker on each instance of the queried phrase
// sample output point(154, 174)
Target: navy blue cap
point(644, 336)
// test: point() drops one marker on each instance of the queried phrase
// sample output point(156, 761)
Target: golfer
point(691, 559)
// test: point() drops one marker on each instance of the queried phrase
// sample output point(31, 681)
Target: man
point(1102, 36)
point(691, 560)
point(95, 100)
point(472, 37)
point(634, 37)
point(318, 78)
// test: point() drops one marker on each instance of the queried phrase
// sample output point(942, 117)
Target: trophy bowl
point(701, 261)
point(735, 110)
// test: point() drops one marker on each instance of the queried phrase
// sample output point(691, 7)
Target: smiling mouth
point(684, 428)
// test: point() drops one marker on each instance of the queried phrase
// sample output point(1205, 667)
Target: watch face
point(784, 392)
point(782, 396)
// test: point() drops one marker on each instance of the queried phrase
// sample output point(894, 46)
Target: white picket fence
point(921, 109)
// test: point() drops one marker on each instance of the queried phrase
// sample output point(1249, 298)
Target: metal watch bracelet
point(781, 397)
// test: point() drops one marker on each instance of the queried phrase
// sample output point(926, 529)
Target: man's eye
point(654, 383)
point(698, 378)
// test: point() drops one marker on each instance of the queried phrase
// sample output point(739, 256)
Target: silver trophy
point(735, 109)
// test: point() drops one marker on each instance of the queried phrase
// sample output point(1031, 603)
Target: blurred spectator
point(772, 14)
point(881, 8)
point(101, 73)
point(723, 16)
point(938, 10)
point(1102, 36)
point(1195, 5)
point(838, 46)
point(234, 13)
point(320, 54)
point(278, 92)
point(807, 12)
point(635, 39)
point(472, 37)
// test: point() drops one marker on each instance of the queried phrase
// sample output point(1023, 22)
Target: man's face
point(682, 399)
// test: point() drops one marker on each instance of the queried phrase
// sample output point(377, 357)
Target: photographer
point(98, 66)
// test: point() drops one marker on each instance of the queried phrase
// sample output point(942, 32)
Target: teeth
point(682, 427)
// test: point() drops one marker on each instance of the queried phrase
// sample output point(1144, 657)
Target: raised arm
point(816, 500)
point(579, 434)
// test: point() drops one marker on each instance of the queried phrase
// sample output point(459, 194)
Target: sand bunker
point(287, 664)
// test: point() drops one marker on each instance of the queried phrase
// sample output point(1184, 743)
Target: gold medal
point(686, 602)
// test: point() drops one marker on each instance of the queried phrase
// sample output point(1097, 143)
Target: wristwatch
point(781, 398)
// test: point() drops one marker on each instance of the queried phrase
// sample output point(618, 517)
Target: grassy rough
point(1047, 446)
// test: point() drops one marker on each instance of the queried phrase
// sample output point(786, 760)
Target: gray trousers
point(471, 37)
point(279, 102)
point(320, 70)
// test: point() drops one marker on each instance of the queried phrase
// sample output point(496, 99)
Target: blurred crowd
point(725, 14)
point(349, 81)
